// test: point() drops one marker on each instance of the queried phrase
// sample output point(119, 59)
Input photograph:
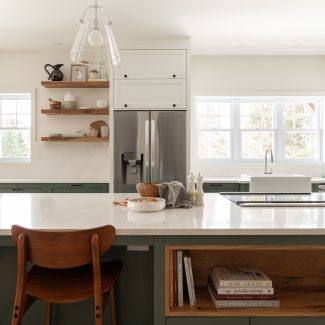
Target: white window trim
point(33, 133)
point(235, 156)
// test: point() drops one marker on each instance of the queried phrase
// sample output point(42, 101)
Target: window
point(15, 126)
point(241, 129)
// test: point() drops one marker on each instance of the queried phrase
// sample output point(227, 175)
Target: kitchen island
point(288, 239)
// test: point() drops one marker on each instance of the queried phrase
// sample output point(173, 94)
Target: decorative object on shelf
point(78, 72)
point(56, 74)
point(148, 189)
point(93, 74)
point(97, 125)
point(104, 130)
point(69, 100)
point(93, 132)
point(102, 103)
point(54, 104)
point(95, 40)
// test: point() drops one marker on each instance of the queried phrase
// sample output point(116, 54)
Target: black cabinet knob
point(174, 105)
point(14, 189)
point(125, 76)
point(125, 105)
point(174, 75)
point(18, 189)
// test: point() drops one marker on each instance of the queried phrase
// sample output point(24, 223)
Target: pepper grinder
point(191, 187)
point(199, 190)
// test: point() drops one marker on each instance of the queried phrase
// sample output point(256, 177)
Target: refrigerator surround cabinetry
point(151, 80)
point(149, 146)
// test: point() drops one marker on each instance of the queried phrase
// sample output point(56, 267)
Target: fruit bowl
point(146, 204)
point(148, 189)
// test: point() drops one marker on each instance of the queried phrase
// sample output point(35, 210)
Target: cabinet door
point(8, 188)
point(151, 64)
point(287, 321)
point(31, 188)
point(207, 321)
point(150, 94)
point(221, 187)
point(78, 188)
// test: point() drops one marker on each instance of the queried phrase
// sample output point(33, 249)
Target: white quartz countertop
point(219, 216)
point(64, 180)
point(315, 180)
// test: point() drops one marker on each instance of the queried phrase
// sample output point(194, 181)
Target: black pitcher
point(56, 74)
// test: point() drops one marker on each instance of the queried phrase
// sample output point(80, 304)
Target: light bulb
point(95, 38)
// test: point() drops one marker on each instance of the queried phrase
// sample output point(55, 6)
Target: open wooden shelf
point(81, 139)
point(76, 111)
point(75, 84)
point(297, 274)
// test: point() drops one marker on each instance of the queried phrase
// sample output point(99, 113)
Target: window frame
point(32, 129)
point(279, 130)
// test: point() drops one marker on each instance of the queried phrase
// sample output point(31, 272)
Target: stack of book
point(182, 277)
point(241, 287)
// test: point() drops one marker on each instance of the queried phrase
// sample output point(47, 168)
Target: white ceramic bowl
point(146, 204)
point(102, 103)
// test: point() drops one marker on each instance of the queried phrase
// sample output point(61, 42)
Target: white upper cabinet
point(151, 64)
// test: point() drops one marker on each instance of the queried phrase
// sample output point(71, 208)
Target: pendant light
point(95, 42)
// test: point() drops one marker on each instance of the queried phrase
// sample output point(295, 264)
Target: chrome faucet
point(266, 171)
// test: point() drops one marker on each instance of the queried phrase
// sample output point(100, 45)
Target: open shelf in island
point(76, 111)
point(76, 84)
point(297, 274)
point(75, 139)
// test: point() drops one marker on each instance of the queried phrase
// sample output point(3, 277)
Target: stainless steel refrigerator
point(149, 146)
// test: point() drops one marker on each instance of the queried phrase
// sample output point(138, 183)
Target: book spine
point(246, 291)
point(187, 273)
point(245, 284)
point(247, 303)
point(180, 294)
point(245, 297)
point(191, 280)
point(175, 280)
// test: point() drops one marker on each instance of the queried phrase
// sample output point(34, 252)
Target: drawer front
point(150, 94)
point(221, 187)
point(287, 321)
point(31, 188)
point(8, 188)
point(207, 321)
point(151, 64)
point(78, 188)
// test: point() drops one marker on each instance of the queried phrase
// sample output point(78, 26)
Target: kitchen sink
point(278, 183)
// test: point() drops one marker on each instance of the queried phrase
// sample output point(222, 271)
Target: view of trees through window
point(243, 128)
point(15, 125)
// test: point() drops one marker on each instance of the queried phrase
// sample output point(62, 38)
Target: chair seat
point(69, 285)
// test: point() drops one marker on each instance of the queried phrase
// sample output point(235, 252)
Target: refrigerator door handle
point(146, 152)
point(153, 151)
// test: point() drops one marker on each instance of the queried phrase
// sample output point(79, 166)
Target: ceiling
point(223, 27)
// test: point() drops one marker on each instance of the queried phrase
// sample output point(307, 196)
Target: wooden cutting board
point(97, 124)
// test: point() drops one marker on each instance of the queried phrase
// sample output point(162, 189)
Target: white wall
point(257, 76)
point(53, 160)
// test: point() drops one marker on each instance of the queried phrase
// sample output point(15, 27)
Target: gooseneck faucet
point(266, 169)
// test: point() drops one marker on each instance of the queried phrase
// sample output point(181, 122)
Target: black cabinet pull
point(18, 189)
point(77, 185)
point(216, 185)
point(125, 76)
point(14, 189)
point(174, 105)
point(174, 75)
point(125, 105)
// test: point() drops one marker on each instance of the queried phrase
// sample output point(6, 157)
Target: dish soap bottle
point(191, 188)
point(199, 190)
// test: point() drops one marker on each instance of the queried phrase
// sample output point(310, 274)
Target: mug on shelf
point(104, 131)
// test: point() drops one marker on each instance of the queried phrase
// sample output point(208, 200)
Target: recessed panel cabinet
point(287, 320)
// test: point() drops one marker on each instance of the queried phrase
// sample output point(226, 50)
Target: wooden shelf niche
point(76, 111)
point(297, 273)
point(76, 84)
point(74, 139)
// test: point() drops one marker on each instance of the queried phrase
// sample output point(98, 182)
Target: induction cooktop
point(273, 199)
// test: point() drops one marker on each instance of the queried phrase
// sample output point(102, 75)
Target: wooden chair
point(66, 268)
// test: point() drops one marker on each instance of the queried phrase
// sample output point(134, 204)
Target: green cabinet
point(207, 321)
point(287, 321)
point(8, 188)
point(78, 188)
point(22, 188)
point(221, 187)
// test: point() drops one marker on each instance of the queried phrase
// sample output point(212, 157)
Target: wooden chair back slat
point(59, 249)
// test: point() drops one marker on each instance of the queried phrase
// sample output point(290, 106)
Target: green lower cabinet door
point(287, 321)
point(31, 188)
point(207, 321)
point(78, 188)
point(8, 188)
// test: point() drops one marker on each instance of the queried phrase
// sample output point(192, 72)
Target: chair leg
point(113, 306)
point(18, 311)
point(48, 314)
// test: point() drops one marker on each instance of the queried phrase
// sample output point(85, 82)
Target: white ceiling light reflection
point(15, 209)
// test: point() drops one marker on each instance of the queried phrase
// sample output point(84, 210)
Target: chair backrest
point(60, 249)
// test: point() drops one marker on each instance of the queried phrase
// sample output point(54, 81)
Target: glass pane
point(301, 145)
point(24, 121)
point(254, 144)
point(8, 106)
point(214, 145)
point(24, 107)
point(8, 120)
point(299, 115)
point(15, 144)
point(256, 115)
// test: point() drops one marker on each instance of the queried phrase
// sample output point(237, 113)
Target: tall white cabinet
point(151, 79)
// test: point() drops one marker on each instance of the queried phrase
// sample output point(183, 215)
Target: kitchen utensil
point(54, 104)
point(93, 74)
point(97, 125)
point(56, 74)
point(146, 204)
point(102, 103)
point(148, 189)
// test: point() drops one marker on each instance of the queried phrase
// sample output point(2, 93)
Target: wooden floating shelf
point(75, 84)
point(81, 139)
point(76, 111)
